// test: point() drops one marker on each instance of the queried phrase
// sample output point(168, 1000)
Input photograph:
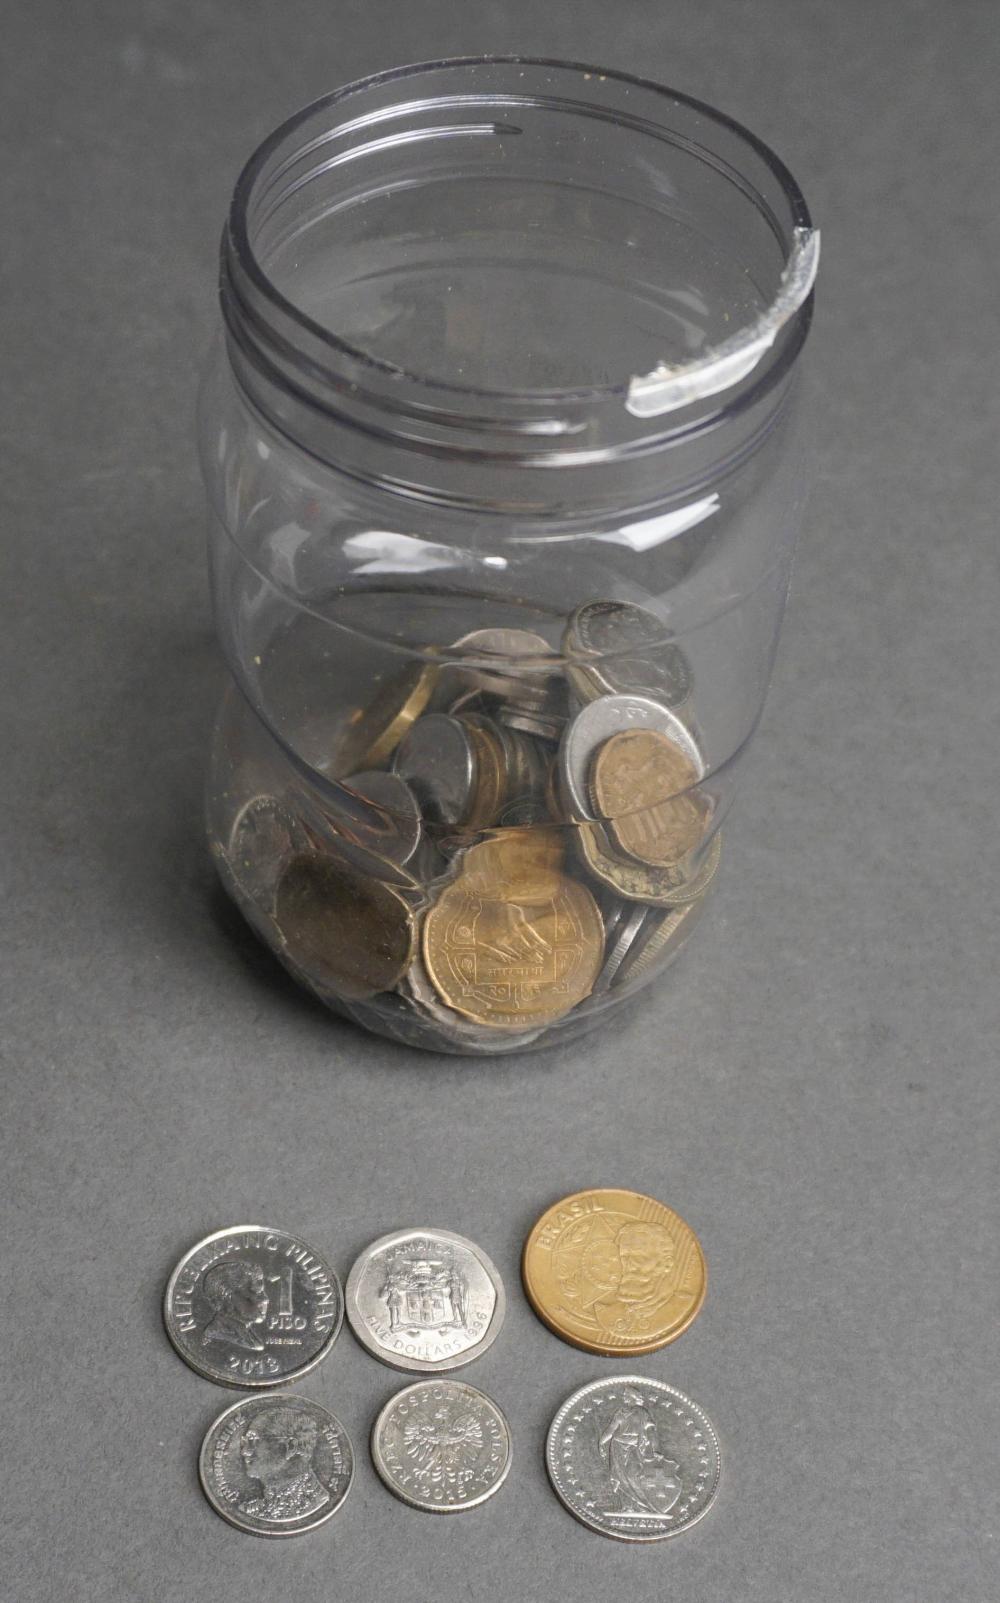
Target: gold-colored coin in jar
point(614, 1272)
point(640, 882)
point(640, 783)
point(513, 941)
point(341, 928)
point(373, 732)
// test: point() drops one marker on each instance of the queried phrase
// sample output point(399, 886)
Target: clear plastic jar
point(500, 448)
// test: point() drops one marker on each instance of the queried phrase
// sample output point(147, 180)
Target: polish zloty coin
point(442, 1446)
point(252, 1306)
point(633, 1458)
point(425, 1300)
point(277, 1465)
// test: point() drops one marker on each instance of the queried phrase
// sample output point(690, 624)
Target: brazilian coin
point(252, 1306)
point(598, 722)
point(633, 1458)
point(628, 651)
point(277, 1465)
point(375, 731)
point(441, 1445)
point(346, 930)
point(425, 1300)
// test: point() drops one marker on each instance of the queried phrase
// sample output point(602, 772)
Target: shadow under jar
point(500, 445)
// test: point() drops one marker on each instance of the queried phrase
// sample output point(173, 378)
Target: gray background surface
point(815, 1089)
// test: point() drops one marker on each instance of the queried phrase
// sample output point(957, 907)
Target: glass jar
point(501, 451)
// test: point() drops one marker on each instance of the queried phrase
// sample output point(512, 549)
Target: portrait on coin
point(235, 1291)
point(277, 1449)
point(645, 1280)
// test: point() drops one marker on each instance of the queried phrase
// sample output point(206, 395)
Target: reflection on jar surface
point(501, 447)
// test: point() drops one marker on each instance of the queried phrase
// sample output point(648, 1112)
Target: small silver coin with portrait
point(252, 1306)
point(277, 1465)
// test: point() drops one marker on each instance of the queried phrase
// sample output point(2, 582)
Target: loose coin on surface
point(442, 1446)
point(376, 730)
point(596, 723)
point(351, 932)
point(614, 1272)
point(633, 1458)
point(252, 1306)
point(512, 941)
point(630, 653)
point(276, 1465)
point(641, 785)
point(425, 1300)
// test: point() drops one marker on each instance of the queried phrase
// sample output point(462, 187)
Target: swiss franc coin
point(442, 1446)
point(614, 1272)
point(425, 1300)
point(276, 1465)
point(251, 1306)
point(633, 1458)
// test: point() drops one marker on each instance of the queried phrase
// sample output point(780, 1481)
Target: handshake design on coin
point(610, 1271)
point(512, 836)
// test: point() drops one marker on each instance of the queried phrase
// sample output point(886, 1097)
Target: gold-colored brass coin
point(640, 882)
point(342, 928)
point(640, 783)
point(614, 1272)
point(513, 941)
point(491, 773)
point(375, 731)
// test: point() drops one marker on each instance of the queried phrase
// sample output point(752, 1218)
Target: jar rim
point(239, 250)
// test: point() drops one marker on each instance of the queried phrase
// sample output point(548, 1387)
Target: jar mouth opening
point(665, 398)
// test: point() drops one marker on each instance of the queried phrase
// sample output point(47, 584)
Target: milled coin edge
point(624, 1380)
point(244, 1384)
point(423, 1366)
point(413, 1502)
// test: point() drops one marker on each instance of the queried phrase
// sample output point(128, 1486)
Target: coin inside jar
point(437, 759)
point(616, 647)
point(513, 941)
point(349, 931)
point(596, 723)
point(640, 783)
point(375, 731)
point(669, 886)
point(377, 812)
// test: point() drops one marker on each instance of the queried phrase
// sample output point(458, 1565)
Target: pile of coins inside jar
point(612, 1272)
point(508, 836)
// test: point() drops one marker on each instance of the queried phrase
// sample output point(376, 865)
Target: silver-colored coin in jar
point(425, 1300)
point(659, 939)
point(597, 722)
point(628, 652)
point(633, 1458)
point(277, 1465)
point(437, 759)
point(265, 835)
point(619, 945)
point(442, 1446)
point(252, 1306)
point(379, 813)
point(490, 648)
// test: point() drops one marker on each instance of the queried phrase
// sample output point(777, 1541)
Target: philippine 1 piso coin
point(441, 1445)
point(614, 1272)
point(425, 1300)
point(633, 1458)
point(276, 1465)
point(252, 1306)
